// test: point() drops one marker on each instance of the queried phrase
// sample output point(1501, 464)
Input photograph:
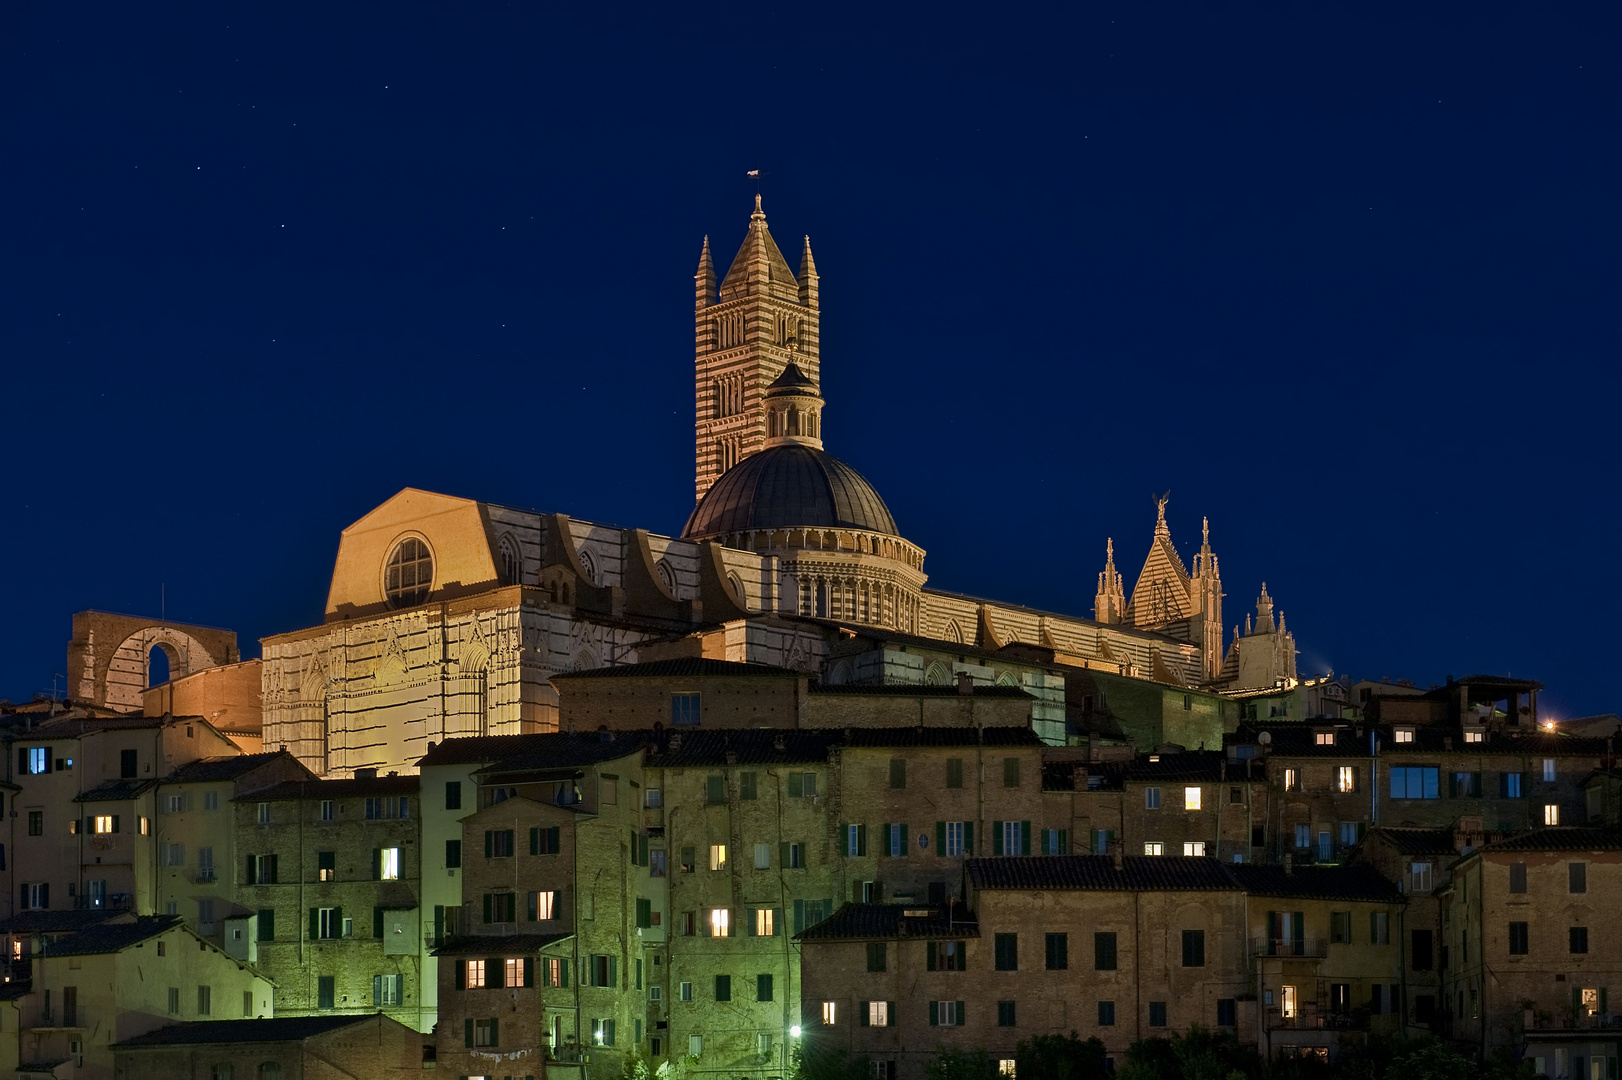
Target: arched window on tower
point(794, 421)
point(512, 563)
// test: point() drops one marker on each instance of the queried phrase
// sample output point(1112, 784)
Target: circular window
point(409, 573)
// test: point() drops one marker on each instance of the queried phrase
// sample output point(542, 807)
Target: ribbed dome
point(789, 487)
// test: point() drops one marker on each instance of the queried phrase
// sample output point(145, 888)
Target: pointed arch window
point(409, 573)
point(511, 561)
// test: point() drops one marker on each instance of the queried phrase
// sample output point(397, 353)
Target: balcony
point(568, 1054)
point(1310, 1019)
point(1290, 948)
point(57, 1018)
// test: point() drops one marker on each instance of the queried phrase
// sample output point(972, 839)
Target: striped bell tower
point(745, 333)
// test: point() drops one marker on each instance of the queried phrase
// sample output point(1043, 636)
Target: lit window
point(1154, 847)
point(720, 922)
point(1403, 735)
point(1323, 738)
point(830, 1012)
point(1005, 1066)
point(878, 1014)
point(409, 573)
point(512, 971)
point(1551, 814)
point(104, 824)
point(763, 922)
point(718, 856)
point(1195, 848)
point(1292, 779)
point(1475, 736)
point(545, 905)
point(388, 864)
point(1288, 1009)
point(1191, 798)
point(475, 974)
point(146, 825)
point(1590, 1008)
point(1346, 779)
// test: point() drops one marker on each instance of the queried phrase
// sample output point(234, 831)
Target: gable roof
point(115, 791)
point(1559, 838)
point(480, 749)
point(1137, 873)
point(334, 789)
point(112, 937)
point(1355, 881)
point(567, 750)
point(261, 1030)
point(216, 769)
point(854, 922)
point(56, 922)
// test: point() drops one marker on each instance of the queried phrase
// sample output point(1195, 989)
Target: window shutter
point(861, 839)
point(1603, 1007)
point(90, 823)
point(461, 974)
point(529, 971)
point(884, 839)
point(749, 921)
point(940, 838)
point(467, 1032)
point(777, 921)
point(377, 989)
point(337, 922)
point(377, 922)
point(253, 870)
point(968, 838)
point(315, 923)
point(1475, 785)
point(563, 972)
point(377, 864)
point(906, 839)
point(889, 1014)
point(929, 960)
point(844, 841)
point(960, 1013)
point(22, 762)
point(996, 838)
point(1272, 933)
point(614, 972)
point(934, 1014)
point(861, 1014)
point(1452, 785)
point(487, 908)
point(1064, 842)
point(489, 842)
point(115, 823)
point(1024, 838)
point(794, 785)
point(275, 869)
point(495, 1031)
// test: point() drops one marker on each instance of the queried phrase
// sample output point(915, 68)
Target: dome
point(789, 487)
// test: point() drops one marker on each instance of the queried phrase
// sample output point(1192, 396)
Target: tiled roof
point(1355, 881)
point(334, 789)
point(481, 749)
point(1207, 765)
point(475, 945)
point(115, 791)
point(72, 728)
point(1137, 872)
point(1297, 738)
point(112, 937)
point(683, 667)
point(55, 922)
point(1060, 775)
point(747, 747)
point(1409, 841)
point(937, 736)
point(213, 770)
point(1560, 838)
point(918, 690)
point(47, 1066)
point(568, 751)
point(265, 1030)
point(855, 922)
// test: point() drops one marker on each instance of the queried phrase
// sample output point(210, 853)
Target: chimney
point(965, 683)
point(1289, 864)
point(1117, 854)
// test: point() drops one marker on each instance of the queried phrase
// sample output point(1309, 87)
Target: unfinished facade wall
point(109, 658)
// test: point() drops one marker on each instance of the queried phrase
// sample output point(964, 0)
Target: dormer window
point(1323, 738)
point(1403, 735)
point(1476, 735)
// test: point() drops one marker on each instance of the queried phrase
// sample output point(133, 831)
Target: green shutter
point(1452, 785)
point(968, 838)
point(884, 840)
point(861, 1014)
point(960, 1013)
point(1272, 933)
point(934, 1014)
point(940, 838)
point(377, 864)
point(996, 838)
point(529, 971)
point(906, 839)
point(115, 823)
point(337, 922)
point(1064, 842)
point(1475, 785)
point(315, 923)
point(253, 871)
point(487, 917)
point(889, 1014)
point(1024, 838)
point(929, 958)
point(794, 785)
point(861, 839)
point(749, 921)
point(782, 856)
point(777, 921)
point(489, 842)
point(461, 974)
point(614, 972)
point(377, 922)
point(495, 1031)
point(844, 841)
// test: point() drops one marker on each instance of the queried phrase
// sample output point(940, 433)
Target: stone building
point(1324, 953)
point(110, 656)
point(372, 1047)
point(327, 872)
point(1161, 940)
point(94, 982)
point(1420, 863)
point(1530, 947)
point(448, 617)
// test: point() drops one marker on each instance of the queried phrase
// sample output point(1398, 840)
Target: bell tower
point(745, 334)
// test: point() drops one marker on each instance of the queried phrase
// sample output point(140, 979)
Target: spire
point(1109, 606)
point(704, 280)
point(808, 276)
point(759, 264)
point(1264, 612)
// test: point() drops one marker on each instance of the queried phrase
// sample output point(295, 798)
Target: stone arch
point(588, 566)
point(510, 560)
point(938, 674)
point(839, 674)
point(736, 583)
point(1006, 679)
point(954, 632)
point(667, 575)
point(127, 672)
point(585, 659)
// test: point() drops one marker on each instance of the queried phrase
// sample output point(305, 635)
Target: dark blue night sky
point(1343, 278)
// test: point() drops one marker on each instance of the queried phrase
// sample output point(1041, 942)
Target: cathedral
point(447, 616)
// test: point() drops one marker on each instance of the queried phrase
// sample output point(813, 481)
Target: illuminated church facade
point(448, 616)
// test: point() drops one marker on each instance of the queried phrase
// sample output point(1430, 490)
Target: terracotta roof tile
point(1098, 872)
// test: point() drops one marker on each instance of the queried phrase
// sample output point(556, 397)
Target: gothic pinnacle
point(808, 265)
